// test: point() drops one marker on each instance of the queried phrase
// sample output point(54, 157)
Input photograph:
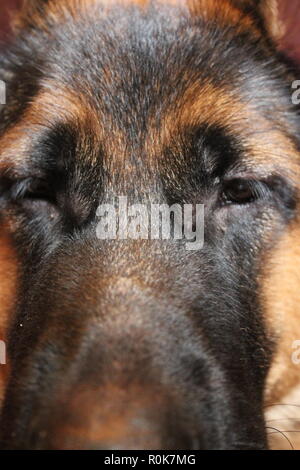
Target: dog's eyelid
point(31, 186)
point(18, 189)
point(242, 189)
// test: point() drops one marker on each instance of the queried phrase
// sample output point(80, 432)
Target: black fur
point(188, 328)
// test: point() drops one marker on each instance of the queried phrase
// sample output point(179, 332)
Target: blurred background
point(289, 9)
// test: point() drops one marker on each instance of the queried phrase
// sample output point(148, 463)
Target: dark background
point(290, 12)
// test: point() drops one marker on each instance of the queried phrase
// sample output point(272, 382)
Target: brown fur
point(8, 287)
point(281, 296)
point(270, 149)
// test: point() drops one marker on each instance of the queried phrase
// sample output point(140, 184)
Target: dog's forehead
point(227, 9)
point(141, 80)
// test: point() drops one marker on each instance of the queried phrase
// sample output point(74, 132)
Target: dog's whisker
point(282, 433)
point(281, 404)
point(283, 419)
point(287, 431)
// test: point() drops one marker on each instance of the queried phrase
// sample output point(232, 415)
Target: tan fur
point(268, 148)
point(271, 14)
point(283, 422)
point(281, 298)
point(51, 106)
point(225, 12)
point(8, 286)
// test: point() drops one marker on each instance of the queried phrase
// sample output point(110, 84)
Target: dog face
point(136, 343)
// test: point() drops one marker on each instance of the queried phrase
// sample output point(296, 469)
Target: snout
point(112, 417)
point(117, 361)
point(140, 399)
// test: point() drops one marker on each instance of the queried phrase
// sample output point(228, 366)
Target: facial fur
point(142, 344)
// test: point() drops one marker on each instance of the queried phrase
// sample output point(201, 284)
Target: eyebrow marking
point(266, 146)
point(50, 106)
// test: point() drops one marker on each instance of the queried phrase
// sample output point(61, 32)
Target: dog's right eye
point(32, 189)
point(29, 192)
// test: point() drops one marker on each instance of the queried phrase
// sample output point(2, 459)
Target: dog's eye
point(32, 189)
point(28, 192)
point(242, 191)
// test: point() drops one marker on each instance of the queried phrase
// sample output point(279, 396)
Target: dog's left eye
point(243, 191)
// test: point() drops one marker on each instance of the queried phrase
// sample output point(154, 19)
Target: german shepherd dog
point(143, 344)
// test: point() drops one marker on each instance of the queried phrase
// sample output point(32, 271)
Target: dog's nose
point(121, 430)
point(119, 420)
